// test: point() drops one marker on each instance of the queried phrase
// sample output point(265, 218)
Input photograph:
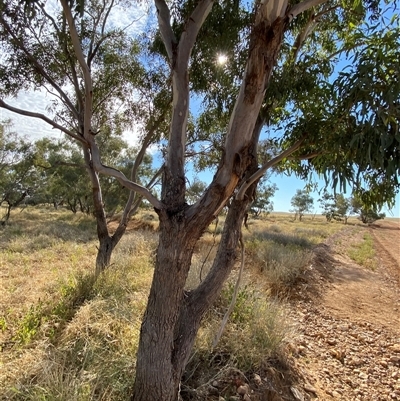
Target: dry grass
point(94, 353)
point(57, 348)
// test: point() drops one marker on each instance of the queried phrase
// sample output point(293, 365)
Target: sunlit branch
point(303, 6)
point(112, 172)
point(164, 18)
point(194, 24)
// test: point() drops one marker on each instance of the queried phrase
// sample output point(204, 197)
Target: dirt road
point(349, 348)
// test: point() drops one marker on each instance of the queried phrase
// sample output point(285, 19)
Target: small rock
point(395, 348)
point(297, 394)
point(301, 349)
point(394, 359)
point(242, 390)
point(257, 379)
point(310, 389)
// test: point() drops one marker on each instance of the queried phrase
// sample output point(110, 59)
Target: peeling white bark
point(272, 9)
point(303, 6)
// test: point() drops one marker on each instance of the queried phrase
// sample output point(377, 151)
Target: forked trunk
point(173, 316)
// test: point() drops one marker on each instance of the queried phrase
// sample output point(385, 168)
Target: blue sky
point(287, 186)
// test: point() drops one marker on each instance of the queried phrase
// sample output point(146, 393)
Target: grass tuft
point(256, 332)
point(364, 253)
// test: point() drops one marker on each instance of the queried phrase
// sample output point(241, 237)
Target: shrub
point(283, 239)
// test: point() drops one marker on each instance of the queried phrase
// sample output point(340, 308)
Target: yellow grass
point(56, 348)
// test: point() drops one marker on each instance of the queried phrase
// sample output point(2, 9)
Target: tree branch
point(37, 65)
point(85, 69)
point(168, 36)
point(303, 6)
point(306, 156)
point(112, 172)
point(257, 175)
point(193, 25)
point(22, 112)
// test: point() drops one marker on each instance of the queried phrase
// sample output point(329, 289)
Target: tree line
point(53, 172)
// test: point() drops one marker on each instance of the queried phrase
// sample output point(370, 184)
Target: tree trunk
point(156, 376)
point(173, 315)
point(104, 252)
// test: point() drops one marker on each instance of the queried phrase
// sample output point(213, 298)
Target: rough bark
point(173, 315)
point(155, 375)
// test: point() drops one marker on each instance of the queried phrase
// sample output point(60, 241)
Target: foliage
point(302, 202)
point(357, 115)
point(335, 207)
point(64, 180)
point(367, 214)
point(29, 324)
point(262, 201)
point(18, 176)
point(195, 190)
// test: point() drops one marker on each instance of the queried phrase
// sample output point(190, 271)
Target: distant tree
point(302, 202)
point(63, 178)
point(335, 207)
point(18, 175)
point(195, 190)
point(263, 199)
point(366, 213)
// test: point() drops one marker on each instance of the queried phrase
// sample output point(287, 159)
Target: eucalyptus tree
point(302, 202)
point(264, 38)
point(18, 176)
point(262, 202)
point(335, 207)
point(95, 82)
point(62, 180)
point(367, 213)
